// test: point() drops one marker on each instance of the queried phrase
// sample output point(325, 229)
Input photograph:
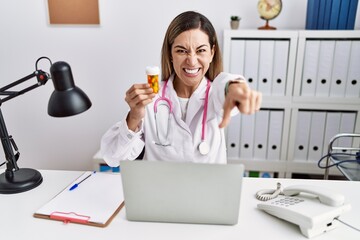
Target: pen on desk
point(77, 184)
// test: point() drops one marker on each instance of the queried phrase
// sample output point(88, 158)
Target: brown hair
point(184, 22)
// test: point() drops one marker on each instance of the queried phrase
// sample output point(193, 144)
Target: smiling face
point(191, 55)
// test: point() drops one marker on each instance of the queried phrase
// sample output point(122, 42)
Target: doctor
point(185, 120)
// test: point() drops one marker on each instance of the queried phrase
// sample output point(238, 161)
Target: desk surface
point(17, 221)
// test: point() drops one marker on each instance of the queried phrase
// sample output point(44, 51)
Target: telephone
point(313, 208)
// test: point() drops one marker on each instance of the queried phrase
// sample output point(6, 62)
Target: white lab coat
point(120, 143)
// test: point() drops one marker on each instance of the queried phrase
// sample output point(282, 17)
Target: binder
point(95, 202)
point(347, 125)
point(327, 14)
point(321, 16)
point(334, 14)
point(316, 140)
point(312, 14)
point(266, 174)
point(275, 134)
point(311, 60)
point(254, 174)
point(302, 135)
point(247, 136)
point(340, 68)
point(233, 137)
point(343, 14)
point(353, 78)
point(266, 66)
point(252, 62)
point(352, 14)
point(237, 55)
point(261, 133)
point(332, 127)
point(281, 57)
point(323, 79)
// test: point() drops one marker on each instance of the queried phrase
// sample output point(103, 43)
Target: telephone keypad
point(287, 201)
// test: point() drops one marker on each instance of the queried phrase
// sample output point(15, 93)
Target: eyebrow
point(179, 46)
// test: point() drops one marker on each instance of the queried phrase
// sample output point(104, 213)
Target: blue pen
point(77, 184)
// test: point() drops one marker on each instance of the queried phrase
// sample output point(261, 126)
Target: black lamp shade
point(67, 99)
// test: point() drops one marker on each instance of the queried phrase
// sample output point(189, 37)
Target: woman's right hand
point(137, 97)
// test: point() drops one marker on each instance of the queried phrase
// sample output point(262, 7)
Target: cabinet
point(310, 82)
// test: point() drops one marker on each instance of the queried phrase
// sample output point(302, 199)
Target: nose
point(192, 59)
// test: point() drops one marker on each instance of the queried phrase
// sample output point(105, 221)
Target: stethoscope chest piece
point(204, 148)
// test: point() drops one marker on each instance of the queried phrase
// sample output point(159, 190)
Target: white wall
point(105, 60)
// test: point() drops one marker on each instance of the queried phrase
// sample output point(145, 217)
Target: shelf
point(314, 98)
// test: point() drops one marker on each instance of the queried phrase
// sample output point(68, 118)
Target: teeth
point(192, 71)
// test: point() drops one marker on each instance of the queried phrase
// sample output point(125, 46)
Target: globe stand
point(267, 26)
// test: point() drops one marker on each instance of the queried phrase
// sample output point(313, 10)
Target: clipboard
point(95, 201)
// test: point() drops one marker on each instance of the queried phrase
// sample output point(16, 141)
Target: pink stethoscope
point(203, 146)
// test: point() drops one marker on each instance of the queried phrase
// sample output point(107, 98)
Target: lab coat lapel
point(172, 95)
point(196, 102)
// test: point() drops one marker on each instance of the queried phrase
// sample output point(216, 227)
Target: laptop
point(182, 192)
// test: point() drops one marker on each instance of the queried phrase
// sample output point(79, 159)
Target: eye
point(181, 51)
point(201, 50)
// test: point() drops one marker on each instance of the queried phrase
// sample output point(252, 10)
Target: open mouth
point(192, 71)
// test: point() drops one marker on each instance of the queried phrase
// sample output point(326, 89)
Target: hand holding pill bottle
point(153, 77)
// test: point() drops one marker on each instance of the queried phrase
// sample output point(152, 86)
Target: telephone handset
point(313, 208)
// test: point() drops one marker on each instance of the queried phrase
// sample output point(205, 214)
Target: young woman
point(185, 120)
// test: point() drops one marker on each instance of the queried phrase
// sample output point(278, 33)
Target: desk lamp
point(66, 100)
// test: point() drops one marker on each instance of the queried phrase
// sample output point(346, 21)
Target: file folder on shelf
point(334, 14)
point(343, 14)
point(352, 14)
point(275, 134)
point(247, 136)
point(323, 79)
point(353, 78)
point(252, 48)
point(312, 14)
point(261, 134)
point(311, 59)
point(332, 127)
point(340, 68)
point(327, 14)
point(321, 14)
point(266, 66)
point(237, 56)
point(233, 137)
point(302, 135)
point(316, 140)
point(281, 58)
point(94, 202)
point(347, 125)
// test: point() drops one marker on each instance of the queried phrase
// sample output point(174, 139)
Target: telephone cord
point(347, 224)
point(268, 194)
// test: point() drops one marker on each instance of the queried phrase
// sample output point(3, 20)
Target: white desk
point(17, 221)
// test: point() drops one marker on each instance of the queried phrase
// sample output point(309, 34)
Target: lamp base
point(23, 180)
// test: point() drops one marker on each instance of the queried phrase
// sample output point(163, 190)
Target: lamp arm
point(7, 141)
point(42, 78)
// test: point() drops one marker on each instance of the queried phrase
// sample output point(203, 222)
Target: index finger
point(137, 86)
point(226, 116)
